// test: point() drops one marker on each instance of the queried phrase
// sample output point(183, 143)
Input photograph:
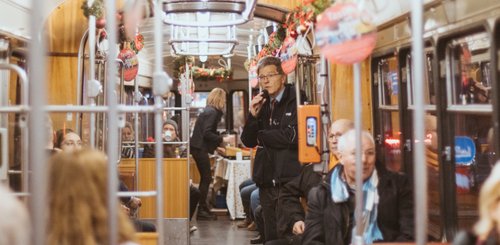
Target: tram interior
point(208, 44)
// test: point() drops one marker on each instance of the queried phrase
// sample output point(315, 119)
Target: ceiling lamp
point(222, 12)
point(203, 41)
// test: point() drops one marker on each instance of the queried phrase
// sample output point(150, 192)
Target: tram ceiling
point(229, 40)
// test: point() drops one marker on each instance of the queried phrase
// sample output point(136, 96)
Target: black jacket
point(205, 136)
point(291, 209)
point(276, 160)
point(469, 238)
point(327, 222)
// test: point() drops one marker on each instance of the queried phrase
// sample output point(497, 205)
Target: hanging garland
point(296, 22)
point(200, 73)
point(97, 9)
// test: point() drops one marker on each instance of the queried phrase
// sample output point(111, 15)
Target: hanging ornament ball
point(345, 34)
point(294, 34)
point(100, 23)
point(288, 55)
point(130, 64)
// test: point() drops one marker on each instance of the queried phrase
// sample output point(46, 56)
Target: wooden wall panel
point(342, 86)
point(175, 187)
point(289, 4)
point(65, 27)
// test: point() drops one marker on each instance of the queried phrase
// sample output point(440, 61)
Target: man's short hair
point(350, 136)
point(270, 60)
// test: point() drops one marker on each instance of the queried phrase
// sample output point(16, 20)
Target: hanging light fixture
point(222, 12)
point(203, 41)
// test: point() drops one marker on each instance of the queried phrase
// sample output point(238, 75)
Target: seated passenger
point(487, 229)
point(388, 216)
point(78, 197)
point(67, 140)
point(128, 145)
point(14, 224)
point(291, 214)
point(169, 135)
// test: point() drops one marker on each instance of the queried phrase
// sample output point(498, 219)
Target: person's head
point(67, 140)
point(170, 130)
point(217, 98)
point(270, 75)
point(489, 204)
point(338, 128)
point(78, 197)
point(14, 224)
point(128, 132)
point(347, 150)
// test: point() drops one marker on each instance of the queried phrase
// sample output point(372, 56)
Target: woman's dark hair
point(60, 136)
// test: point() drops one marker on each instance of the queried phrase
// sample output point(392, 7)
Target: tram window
point(470, 69)
point(389, 131)
point(429, 90)
point(469, 85)
point(389, 89)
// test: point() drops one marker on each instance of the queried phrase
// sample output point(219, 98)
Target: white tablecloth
point(235, 172)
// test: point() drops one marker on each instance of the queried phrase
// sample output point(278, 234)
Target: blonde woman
point(78, 201)
point(487, 229)
point(205, 140)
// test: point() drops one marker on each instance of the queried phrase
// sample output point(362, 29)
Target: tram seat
point(147, 238)
point(175, 186)
point(127, 173)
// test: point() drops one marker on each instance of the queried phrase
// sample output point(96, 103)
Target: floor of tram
point(220, 231)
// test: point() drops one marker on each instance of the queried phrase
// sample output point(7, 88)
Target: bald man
point(338, 128)
point(291, 213)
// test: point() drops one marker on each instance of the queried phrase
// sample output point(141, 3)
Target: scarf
point(340, 194)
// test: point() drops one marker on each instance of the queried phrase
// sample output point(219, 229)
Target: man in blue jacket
point(272, 127)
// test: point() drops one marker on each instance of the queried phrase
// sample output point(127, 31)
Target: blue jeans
point(245, 194)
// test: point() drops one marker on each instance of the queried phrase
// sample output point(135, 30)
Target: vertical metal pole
point(325, 119)
point(420, 172)
point(358, 237)
point(158, 39)
point(38, 133)
point(113, 122)
point(91, 38)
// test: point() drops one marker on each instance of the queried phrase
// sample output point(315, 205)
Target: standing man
point(272, 127)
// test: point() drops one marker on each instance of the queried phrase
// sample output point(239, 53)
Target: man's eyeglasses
point(267, 77)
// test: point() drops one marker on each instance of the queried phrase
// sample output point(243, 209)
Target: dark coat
point(327, 222)
point(276, 160)
point(469, 238)
point(291, 209)
point(205, 136)
point(168, 150)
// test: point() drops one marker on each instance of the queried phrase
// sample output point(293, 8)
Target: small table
point(235, 172)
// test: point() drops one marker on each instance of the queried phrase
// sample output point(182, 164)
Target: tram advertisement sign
point(465, 150)
point(345, 33)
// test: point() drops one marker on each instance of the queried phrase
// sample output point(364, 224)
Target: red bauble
point(130, 64)
point(294, 34)
point(100, 23)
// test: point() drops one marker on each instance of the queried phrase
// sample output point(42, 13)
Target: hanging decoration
point(345, 34)
point(97, 9)
point(297, 22)
point(130, 63)
point(288, 55)
point(200, 73)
